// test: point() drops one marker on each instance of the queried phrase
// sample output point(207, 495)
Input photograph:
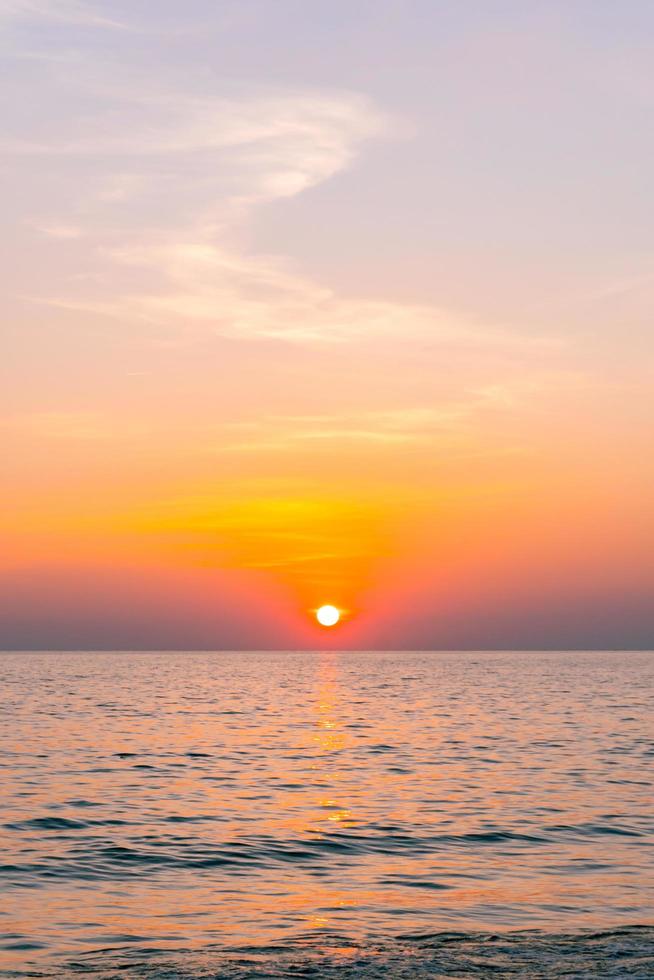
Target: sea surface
point(341, 815)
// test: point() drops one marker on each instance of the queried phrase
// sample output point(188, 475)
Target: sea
point(327, 814)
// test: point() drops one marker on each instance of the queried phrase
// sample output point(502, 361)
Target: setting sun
point(328, 615)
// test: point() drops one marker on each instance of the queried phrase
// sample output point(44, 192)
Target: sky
point(327, 302)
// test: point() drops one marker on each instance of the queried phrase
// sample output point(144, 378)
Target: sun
point(328, 615)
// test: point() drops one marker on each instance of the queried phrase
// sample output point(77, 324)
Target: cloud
point(245, 148)
point(62, 232)
point(441, 425)
point(160, 179)
point(206, 288)
point(61, 11)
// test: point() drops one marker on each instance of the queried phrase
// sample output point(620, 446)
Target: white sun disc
point(328, 615)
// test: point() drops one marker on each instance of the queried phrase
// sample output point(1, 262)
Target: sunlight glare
point(328, 615)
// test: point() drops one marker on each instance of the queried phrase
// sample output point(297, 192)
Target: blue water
point(346, 814)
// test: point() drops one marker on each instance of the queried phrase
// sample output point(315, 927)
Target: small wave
point(593, 829)
point(90, 855)
point(63, 823)
point(46, 823)
point(624, 952)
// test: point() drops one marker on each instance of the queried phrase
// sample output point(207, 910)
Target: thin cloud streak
point(59, 11)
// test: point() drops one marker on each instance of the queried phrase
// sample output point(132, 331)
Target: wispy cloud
point(63, 232)
point(206, 287)
point(244, 148)
point(160, 183)
point(74, 426)
point(62, 11)
point(441, 426)
point(277, 146)
point(205, 159)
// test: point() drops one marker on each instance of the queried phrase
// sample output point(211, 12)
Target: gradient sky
point(326, 301)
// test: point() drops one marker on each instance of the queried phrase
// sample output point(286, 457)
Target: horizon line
point(328, 650)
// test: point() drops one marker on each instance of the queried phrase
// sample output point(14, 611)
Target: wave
point(80, 849)
point(625, 952)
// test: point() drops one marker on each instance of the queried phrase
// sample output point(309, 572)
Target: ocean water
point(327, 814)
